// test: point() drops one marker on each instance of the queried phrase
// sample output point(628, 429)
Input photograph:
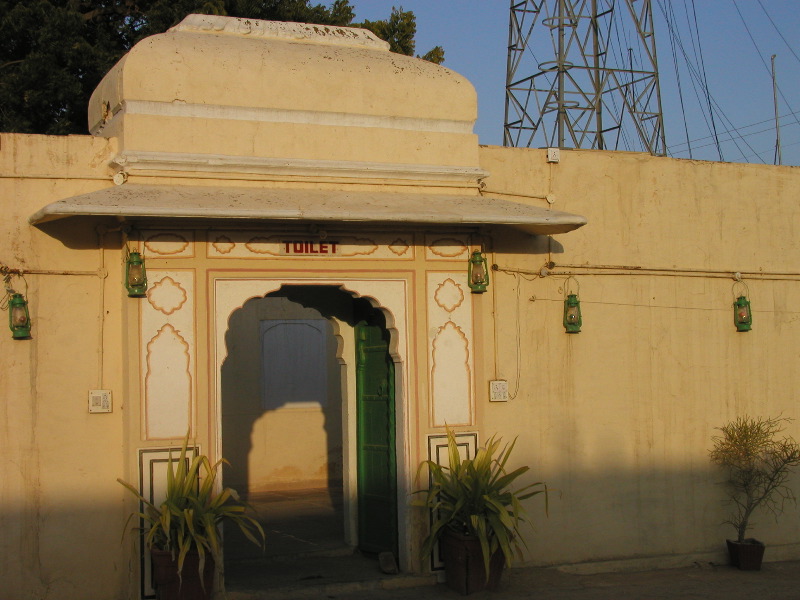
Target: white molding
point(132, 161)
point(282, 115)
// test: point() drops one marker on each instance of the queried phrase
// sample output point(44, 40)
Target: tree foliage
point(53, 53)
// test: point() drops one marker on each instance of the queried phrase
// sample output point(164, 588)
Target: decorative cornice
point(136, 162)
point(299, 32)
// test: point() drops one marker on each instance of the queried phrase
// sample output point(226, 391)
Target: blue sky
point(474, 34)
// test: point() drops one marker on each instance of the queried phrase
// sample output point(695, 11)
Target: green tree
point(53, 53)
point(399, 30)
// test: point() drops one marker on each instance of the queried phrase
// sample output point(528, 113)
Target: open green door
point(377, 468)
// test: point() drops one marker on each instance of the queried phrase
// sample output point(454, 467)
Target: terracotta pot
point(463, 564)
point(188, 586)
point(746, 555)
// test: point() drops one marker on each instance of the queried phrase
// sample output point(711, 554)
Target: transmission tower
point(583, 74)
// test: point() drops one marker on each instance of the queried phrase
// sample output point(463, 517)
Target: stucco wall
point(61, 509)
point(618, 419)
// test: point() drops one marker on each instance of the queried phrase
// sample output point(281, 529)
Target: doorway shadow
point(282, 419)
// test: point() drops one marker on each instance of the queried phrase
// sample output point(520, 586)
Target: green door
point(377, 469)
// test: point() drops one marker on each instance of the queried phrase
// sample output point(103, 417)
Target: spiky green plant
point(474, 497)
point(758, 463)
point(190, 515)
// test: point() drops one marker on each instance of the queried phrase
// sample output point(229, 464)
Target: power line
point(758, 51)
point(680, 84)
point(705, 78)
point(778, 31)
point(736, 130)
point(697, 77)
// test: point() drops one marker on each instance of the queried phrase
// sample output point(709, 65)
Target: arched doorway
point(301, 362)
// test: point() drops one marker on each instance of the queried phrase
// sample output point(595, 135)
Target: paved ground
point(776, 581)
point(306, 559)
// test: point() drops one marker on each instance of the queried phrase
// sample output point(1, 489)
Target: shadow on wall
point(638, 514)
point(605, 514)
point(282, 388)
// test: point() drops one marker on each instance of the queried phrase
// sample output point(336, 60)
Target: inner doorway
point(294, 377)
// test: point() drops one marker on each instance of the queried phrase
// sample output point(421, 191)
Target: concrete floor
point(306, 558)
point(296, 522)
point(305, 548)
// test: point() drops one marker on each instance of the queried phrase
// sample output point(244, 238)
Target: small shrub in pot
point(758, 460)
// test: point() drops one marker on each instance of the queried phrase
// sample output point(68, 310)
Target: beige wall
point(60, 507)
point(618, 418)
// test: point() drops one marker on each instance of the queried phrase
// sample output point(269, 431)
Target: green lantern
point(572, 314)
point(478, 272)
point(742, 315)
point(19, 320)
point(135, 275)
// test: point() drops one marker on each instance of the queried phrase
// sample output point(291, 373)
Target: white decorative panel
point(252, 244)
point(168, 354)
point(447, 247)
point(153, 465)
point(168, 244)
point(467, 443)
point(450, 348)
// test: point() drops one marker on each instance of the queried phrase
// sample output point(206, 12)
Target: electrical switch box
point(498, 390)
point(99, 401)
point(553, 155)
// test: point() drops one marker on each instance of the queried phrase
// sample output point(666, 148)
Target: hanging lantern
point(478, 272)
point(742, 316)
point(572, 314)
point(19, 320)
point(135, 275)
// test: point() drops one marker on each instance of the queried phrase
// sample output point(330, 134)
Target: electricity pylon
point(583, 74)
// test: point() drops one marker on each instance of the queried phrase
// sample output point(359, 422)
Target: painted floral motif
point(448, 248)
point(399, 246)
point(223, 244)
point(166, 244)
point(167, 296)
point(264, 245)
point(449, 295)
point(353, 246)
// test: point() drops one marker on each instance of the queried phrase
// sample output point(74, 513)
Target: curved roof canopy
point(149, 201)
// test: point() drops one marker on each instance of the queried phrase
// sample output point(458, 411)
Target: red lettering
point(306, 247)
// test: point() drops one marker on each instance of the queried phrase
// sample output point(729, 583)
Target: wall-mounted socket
point(100, 401)
point(498, 390)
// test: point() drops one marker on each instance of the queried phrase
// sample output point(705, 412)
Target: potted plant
point(183, 533)
point(758, 461)
point(476, 514)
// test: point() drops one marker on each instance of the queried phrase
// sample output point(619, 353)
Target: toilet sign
point(309, 248)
